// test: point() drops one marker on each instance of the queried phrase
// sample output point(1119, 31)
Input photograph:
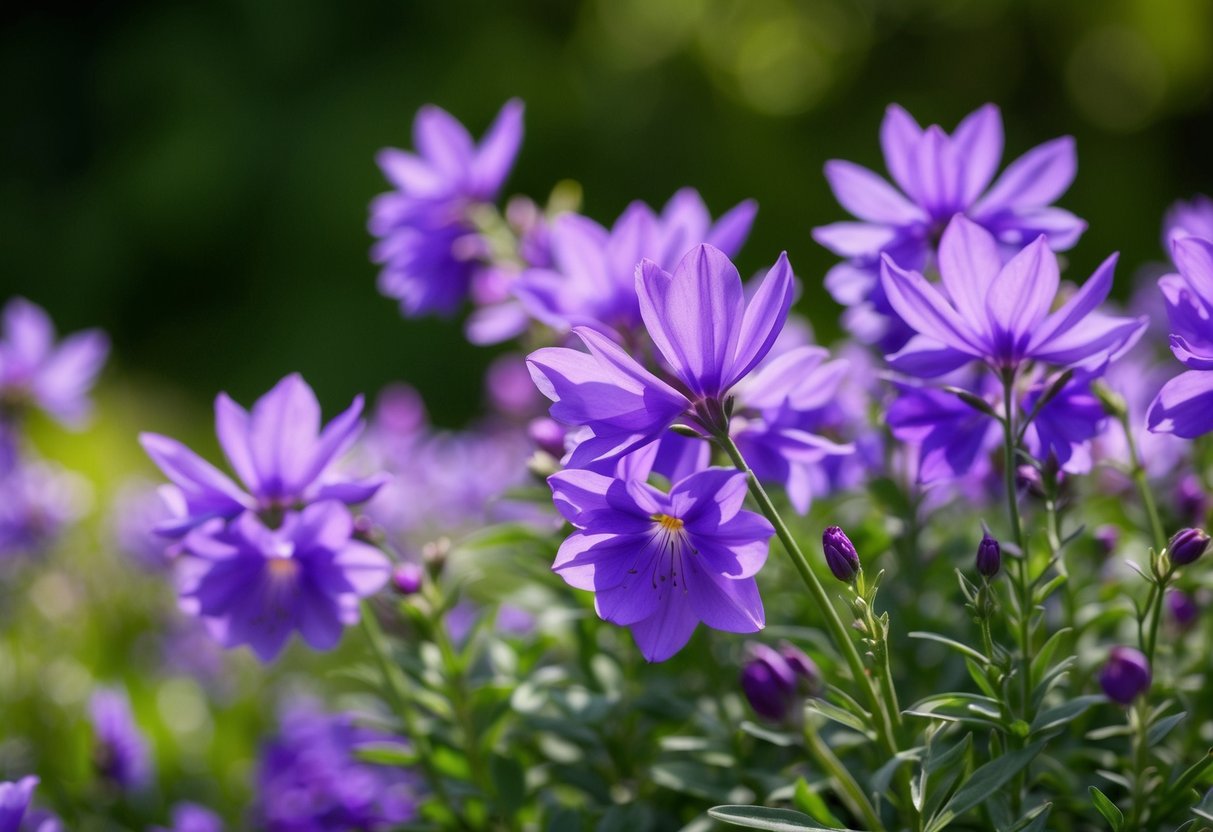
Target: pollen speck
point(670, 524)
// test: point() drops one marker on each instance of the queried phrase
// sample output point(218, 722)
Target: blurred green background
point(194, 178)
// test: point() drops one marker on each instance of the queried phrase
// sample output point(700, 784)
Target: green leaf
point(837, 714)
point(1035, 820)
point(978, 674)
point(509, 781)
point(984, 782)
point(773, 820)
point(810, 802)
point(963, 649)
point(1042, 660)
point(387, 754)
point(1111, 813)
point(1160, 729)
point(1065, 712)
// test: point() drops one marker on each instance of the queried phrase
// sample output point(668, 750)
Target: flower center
point(670, 524)
point(282, 569)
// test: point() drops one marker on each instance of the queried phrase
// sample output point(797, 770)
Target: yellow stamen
point(283, 568)
point(670, 524)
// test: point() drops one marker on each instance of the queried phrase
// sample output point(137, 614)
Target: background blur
point(194, 179)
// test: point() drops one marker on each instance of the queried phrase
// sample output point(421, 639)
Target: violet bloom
point(190, 817)
point(255, 585)
point(38, 502)
point(311, 780)
point(661, 563)
point(1000, 314)
point(1193, 218)
point(774, 681)
point(591, 280)
point(1184, 406)
point(1183, 609)
point(939, 176)
point(282, 457)
point(951, 438)
point(1125, 676)
point(35, 371)
point(710, 337)
point(14, 802)
point(137, 509)
point(428, 247)
point(120, 750)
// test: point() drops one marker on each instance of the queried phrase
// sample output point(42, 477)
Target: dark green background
point(194, 178)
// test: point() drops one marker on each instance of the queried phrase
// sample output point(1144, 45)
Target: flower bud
point(548, 436)
point(407, 578)
point(1126, 675)
point(769, 683)
point(1190, 499)
point(989, 556)
point(1187, 545)
point(809, 679)
point(1108, 537)
point(840, 554)
point(1183, 608)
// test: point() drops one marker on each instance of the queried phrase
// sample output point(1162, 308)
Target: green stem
point(1154, 605)
point(396, 688)
point(1023, 574)
point(849, 790)
point(838, 631)
point(1138, 717)
point(1143, 485)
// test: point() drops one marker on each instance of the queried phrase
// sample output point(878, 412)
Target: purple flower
point(38, 501)
point(1066, 425)
point(1000, 314)
point(700, 322)
point(254, 585)
point(840, 554)
point(952, 438)
point(1187, 545)
point(190, 817)
point(939, 176)
point(661, 563)
point(429, 249)
point(1184, 406)
point(1193, 218)
point(36, 371)
point(282, 457)
point(311, 780)
point(14, 802)
point(989, 556)
point(1125, 676)
point(591, 280)
point(1183, 608)
point(408, 577)
point(137, 509)
point(774, 681)
point(120, 749)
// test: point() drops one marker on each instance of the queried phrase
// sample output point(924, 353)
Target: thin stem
point(1143, 485)
point(1023, 576)
point(837, 630)
point(396, 688)
point(1138, 717)
point(1154, 605)
point(884, 671)
point(848, 789)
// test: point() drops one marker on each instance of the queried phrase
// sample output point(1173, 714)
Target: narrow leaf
point(774, 820)
point(984, 782)
point(1111, 813)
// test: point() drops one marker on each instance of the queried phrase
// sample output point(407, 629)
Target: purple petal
point(576, 491)
point(352, 492)
point(922, 307)
point(1015, 228)
point(232, 427)
point(1033, 180)
point(1192, 358)
point(596, 562)
point(900, 136)
point(497, 151)
point(855, 239)
point(1020, 297)
point(774, 382)
point(708, 498)
point(1094, 340)
point(442, 140)
point(1184, 406)
point(969, 261)
point(869, 197)
point(763, 320)
point(282, 437)
point(937, 188)
point(1194, 259)
point(199, 481)
point(665, 633)
point(977, 142)
point(1083, 303)
point(63, 382)
point(411, 174)
point(694, 316)
point(1188, 316)
point(724, 603)
point(365, 568)
point(729, 233)
point(336, 438)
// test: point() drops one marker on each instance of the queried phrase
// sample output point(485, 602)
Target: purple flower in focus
point(1000, 314)
point(120, 750)
point(36, 371)
point(1125, 676)
point(427, 245)
point(591, 280)
point(1193, 218)
point(700, 322)
point(1184, 406)
point(254, 585)
point(661, 563)
point(282, 457)
point(14, 802)
point(190, 817)
point(939, 176)
point(311, 780)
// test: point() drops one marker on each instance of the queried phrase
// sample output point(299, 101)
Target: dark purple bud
point(407, 578)
point(1187, 545)
point(548, 436)
point(1191, 500)
point(1108, 537)
point(989, 556)
point(840, 554)
point(808, 675)
point(1126, 675)
point(769, 683)
point(1183, 608)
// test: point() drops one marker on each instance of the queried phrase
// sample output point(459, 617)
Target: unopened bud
point(989, 556)
point(840, 554)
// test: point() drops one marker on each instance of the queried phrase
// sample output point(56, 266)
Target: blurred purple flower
point(120, 750)
point(774, 681)
point(190, 817)
point(1193, 218)
point(700, 322)
point(1125, 676)
point(939, 176)
point(1184, 406)
point(1183, 608)
point(283, 458)
point(35, 371)
point(427, 245)
point(952, 438)
point(311, 780)
point(136, 511)
point(661, 563)
point(510, 390)
point(14, 802)
point(1000, 314)
point(591, 280)
point(1137, 378)
point(255, 585)
point(38, 502)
